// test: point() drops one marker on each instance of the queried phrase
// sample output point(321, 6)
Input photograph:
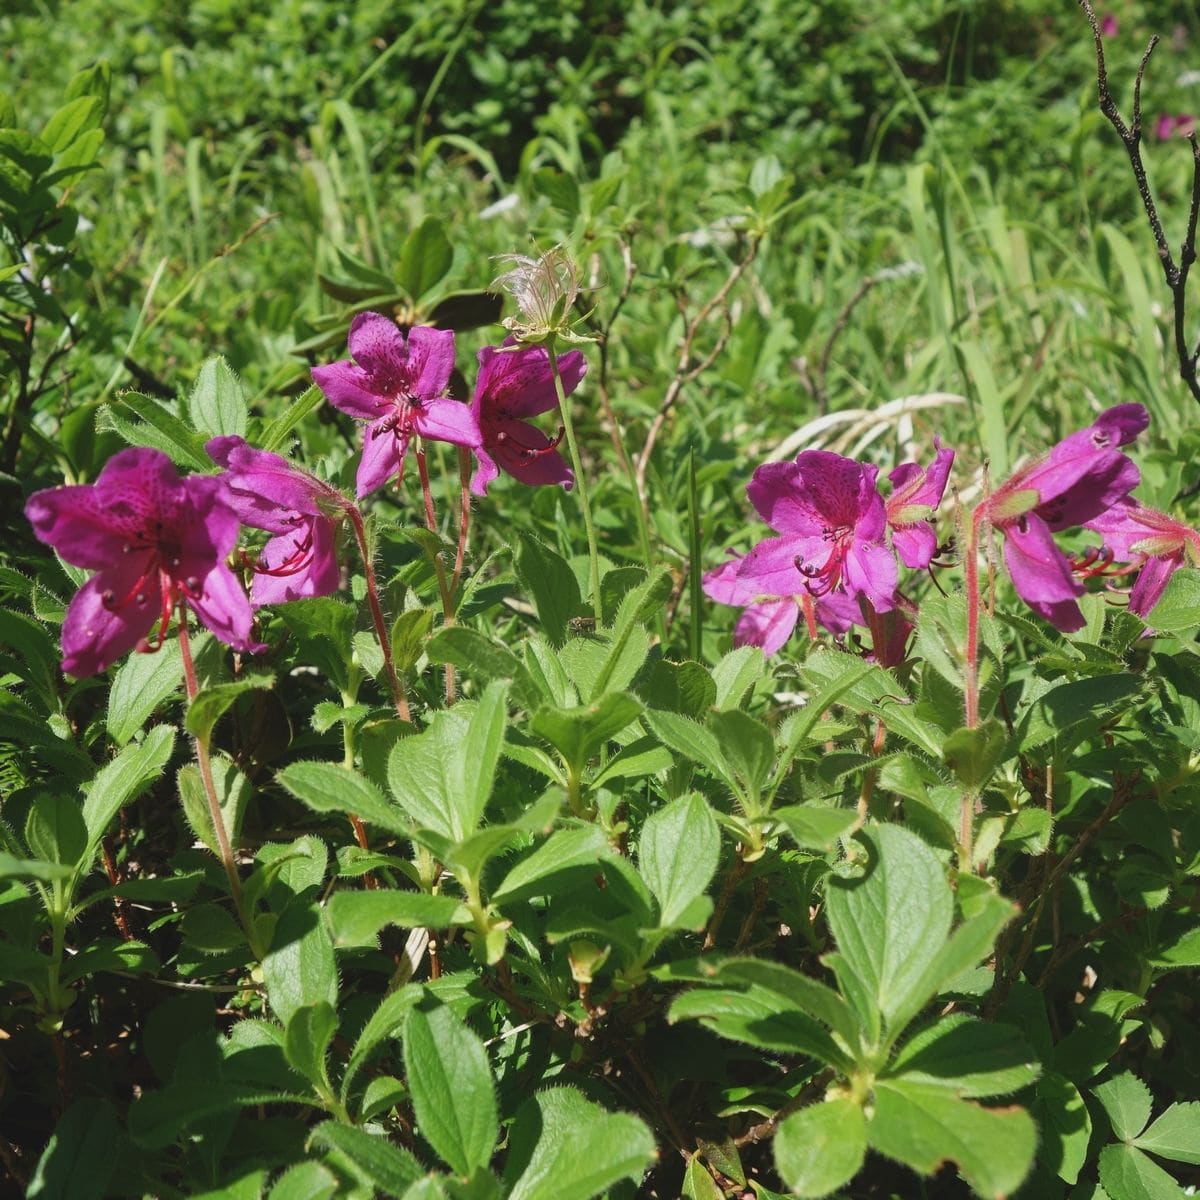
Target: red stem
point(381, 630)
point(810, 614)
point(464, 516)
point(444, 587)
point(971, 666)
point(205, 765)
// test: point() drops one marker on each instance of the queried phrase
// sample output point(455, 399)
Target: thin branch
point(1176, 274)
point(687, 369)
point(816, 381)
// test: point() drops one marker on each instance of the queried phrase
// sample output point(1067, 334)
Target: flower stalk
point(564, 415)
point(381, 630)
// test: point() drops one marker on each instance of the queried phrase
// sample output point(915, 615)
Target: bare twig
point(688, 368)
point(816, 381)
point(1175, 273)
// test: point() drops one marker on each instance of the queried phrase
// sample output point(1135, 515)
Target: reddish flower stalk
point(205, 764)
point(445, 589)
point(381, 629)
point(464, 516)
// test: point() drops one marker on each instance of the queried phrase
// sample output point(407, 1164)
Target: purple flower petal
point(221, 604)
point(1151, 582)
point(76, 524)
point(770, 567)
point(379, 347)
point(447, 421)
point(768, 625)
point(1041, 574)
point(486, 472)
point(383, 452)
point(431, 354)
point(915, 544)
point(870, 570)
point(264, 489)
point(348, 387)
point(318, 572)
point(96, 634)
point(519, 383)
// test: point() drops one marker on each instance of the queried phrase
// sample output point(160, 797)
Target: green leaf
point(483, 660)
point(1127, 1101)
point(678, 852)
point(815, 828)
point(821, 1148)
point(305, 1181)
point(579, 733)
point(306, 1040)
point(891, 924)
point(80, 1156)
point(736, 674)
point(31, 868)
point(548, 579)
point(1061, 711)
point(443, 777)
point(277, 431)
point(564, 1147)
point(971, 1057)
point(792, 991)
point(140, 685)
point(326, 787)
point(451, 1084)
point(754, 1015)
point(693, 741)
point(75, 117)
point(563, 853)
point(217, 403)
point(1178, 611)
point(208, 706)
point(156, 1119)
point(410, 631)
point(1176, 1134)
point(974, 754)
point(392, 1012)
point(1065, 1124)
point(123, 779)
point(54, 829)
point(299, 967)
point(209, 929)
point(355, 918)
point(233, 791)
point(371, 1160)
point(158, 428)
point(1127, 1174)
point(923, 1125)
point(466, 310)
point(425, 258)
point(698, 1184)
point(747, 747)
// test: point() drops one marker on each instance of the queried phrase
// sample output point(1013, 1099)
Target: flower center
point(505, 439)
point(823, 578)
point(158, 577)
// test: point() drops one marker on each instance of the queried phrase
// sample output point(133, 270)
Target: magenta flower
point(512, 385)
point(397, 384)
point(831, 521)
point(1153, 541)
point(1081, 477)
point(1184, 125)
point(1108, 25)
point(267, 492)
point(155, 542)
point(916, 493)
point(768, 620)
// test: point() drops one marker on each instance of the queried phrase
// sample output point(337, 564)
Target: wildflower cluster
point(839, 538)
point(162, 545)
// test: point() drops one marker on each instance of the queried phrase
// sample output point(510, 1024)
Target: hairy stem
point(381, 629)
point(205, 765)
point(445, 588)
point(581, 485)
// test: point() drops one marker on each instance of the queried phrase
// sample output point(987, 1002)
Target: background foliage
point(237, 183)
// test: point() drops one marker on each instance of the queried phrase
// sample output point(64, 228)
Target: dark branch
point(1176, 274)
